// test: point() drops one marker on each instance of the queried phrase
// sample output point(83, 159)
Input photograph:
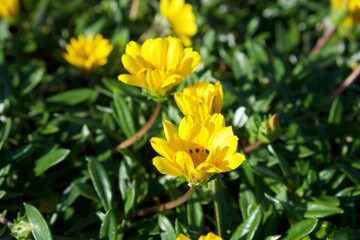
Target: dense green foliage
point(59, 127)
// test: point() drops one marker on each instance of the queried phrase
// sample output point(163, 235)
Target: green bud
point(269, 129)
point(21, 229)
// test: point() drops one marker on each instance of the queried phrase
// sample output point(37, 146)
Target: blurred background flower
point(158, 65)
point(197, 150)
point(88, 53)
point(9, 9)
point(200, 99)
point(348, 11)
point(181, 18)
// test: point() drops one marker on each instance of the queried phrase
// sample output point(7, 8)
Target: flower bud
point(21, 229)
point(269, 129)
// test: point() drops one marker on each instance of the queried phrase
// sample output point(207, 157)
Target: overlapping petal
point(200, 99)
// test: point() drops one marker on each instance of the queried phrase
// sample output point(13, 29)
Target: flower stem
point(134, 8)
point(217, 208)
point(346, 83)
point(165, 206)
point(323, 40)
point(5, 221)
point(128, 142)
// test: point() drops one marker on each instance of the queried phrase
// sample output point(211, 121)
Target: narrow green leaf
point(33, 78)
point(50, 159)
point(130, 198)
point(109, 226)
point(72, 97)
point(167, 228)
point(101, 182)
point(335, 114)
point(5, 131)
point(351, 173)
point(85, 190)
point(247, 201)
point(124, 116)
point(321, 209)
point(195, 214)
point(249, 227)
point(301, 229)
point(39, 226)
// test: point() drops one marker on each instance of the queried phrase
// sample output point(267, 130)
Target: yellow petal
point(168, 167)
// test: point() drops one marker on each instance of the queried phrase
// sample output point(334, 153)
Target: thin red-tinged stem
point(130, 141)
point(350, 79)
point(253, 146)
point(165, 206)
point(134, 8)
point(323, 40)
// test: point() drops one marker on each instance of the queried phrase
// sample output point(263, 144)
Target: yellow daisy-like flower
point(198, 150)
point(88, 53)
point(209, 236)
point(200, 100)
point(158, 65)
point(351, 7)
point(9, 9)
point(181, 18)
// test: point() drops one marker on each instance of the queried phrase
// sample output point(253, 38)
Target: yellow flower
point(200, 100)
point(209, 236)
point(182, 237)
point(88, 53)
point(9, 9)
point(198, 150)
point(158, 65)
point(351, 7)
point(181, 18)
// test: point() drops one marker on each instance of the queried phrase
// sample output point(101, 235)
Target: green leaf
point(322, 207)
point(109, 226)
point(167, 228)
point(50, 159)
point(301, 229)
point(72, 97)
point(39, 226)
point(130, 198)
point(195, 214)
point(241, 66)
point(5, 131)
point(351, 173)
point(33, 78)
point(123, 115)
point(249, 227)
point(247, 201)
point(101, 182)
point(335, 114)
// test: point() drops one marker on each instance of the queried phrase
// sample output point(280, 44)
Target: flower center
point(198, 155)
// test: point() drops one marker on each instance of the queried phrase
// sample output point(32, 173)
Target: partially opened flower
point(158, 65)
point(200, 99)
point(181, 18)
point(88, 53)
point(198, 150)
point(351, 8)
point(9, 9)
